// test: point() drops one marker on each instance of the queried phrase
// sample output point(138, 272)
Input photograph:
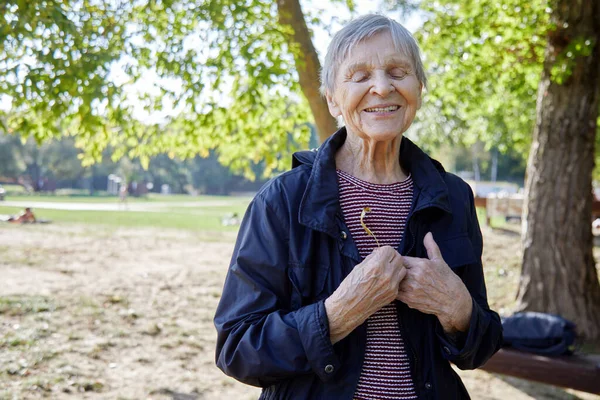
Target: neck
point(371, 161)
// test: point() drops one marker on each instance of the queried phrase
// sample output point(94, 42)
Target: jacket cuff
point(464, 343)
point(313, 328)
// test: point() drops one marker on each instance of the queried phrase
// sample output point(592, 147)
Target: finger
point(399, 275)
point(404, 285)
point(403, 297)
point(392, 257)
point(411, 262)
point(433, 251)
point(371, 255)
point(365, 261)
point(375, 253)
point(386, 253)
point(402, 274)
point(379, 252)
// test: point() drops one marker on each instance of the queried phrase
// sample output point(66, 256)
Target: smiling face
point(376, 90)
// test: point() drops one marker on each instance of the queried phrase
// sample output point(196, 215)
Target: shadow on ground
point(540, 390)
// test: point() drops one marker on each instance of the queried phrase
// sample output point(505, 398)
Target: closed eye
point(398, 73)
point(359, 76)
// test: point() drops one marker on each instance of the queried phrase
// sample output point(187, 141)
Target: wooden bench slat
point(576, 372)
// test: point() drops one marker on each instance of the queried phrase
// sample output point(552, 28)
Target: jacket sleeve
point(260, 340)
point(473, 348)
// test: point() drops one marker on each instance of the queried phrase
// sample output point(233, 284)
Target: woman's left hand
point(431, 287)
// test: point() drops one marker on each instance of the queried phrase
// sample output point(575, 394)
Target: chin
point(382, 135)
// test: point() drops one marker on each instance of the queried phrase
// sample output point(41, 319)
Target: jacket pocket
point(308, 282)
point(457, 251)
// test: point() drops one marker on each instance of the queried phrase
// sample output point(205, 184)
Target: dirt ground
point(97, 313)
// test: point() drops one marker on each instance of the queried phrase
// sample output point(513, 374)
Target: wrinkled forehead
point(399, 51)
point(387, 61)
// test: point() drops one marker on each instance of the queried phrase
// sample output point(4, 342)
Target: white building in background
point(114, 184)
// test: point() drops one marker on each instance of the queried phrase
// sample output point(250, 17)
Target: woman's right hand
point(371, 285)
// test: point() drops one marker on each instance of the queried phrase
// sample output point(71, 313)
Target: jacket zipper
point(414, 365)
point(414, 238)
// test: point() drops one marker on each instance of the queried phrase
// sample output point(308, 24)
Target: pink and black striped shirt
point(386, 372)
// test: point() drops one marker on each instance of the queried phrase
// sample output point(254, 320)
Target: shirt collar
point(320, 206)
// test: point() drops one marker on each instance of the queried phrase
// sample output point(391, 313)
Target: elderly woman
point(357, 274)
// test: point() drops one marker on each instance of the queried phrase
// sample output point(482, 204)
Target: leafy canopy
point(485, 60)
point(224, 65)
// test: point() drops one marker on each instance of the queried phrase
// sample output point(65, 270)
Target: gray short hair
point(362, 29)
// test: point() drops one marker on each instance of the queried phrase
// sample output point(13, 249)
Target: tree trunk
point(494, 173)
point(34, 172)
point(307, 65)
point(558, 273)
point(477, 175)
point(92, 179)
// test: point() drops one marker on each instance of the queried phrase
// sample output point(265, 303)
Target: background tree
point(54, 160)
point(10, 165)
point(57, 162)
point(66, 66)
point(459, 158)
point(559, 271)
point(487, 60)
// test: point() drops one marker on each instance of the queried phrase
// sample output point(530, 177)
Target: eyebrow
point(392, 61)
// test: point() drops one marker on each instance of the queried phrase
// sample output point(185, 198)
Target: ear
point(334, 108)
point(420, 100)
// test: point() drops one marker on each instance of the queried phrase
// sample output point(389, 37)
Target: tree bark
point(307, 65)
point(558, 272)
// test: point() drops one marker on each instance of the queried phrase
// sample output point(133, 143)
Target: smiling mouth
point(382, 109)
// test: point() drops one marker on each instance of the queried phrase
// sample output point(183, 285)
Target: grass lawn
point(496, 222)
point(152, 197)
point(13, 189)
point(197, 218)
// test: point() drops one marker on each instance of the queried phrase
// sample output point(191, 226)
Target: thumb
point(433, 251)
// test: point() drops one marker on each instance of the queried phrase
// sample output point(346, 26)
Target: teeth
point(382, 109)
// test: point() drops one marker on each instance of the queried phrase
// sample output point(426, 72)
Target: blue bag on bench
point(540, 333)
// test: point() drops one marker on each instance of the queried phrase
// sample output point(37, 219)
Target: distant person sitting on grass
point(26, 217)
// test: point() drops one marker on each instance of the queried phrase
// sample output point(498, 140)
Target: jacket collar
point(320, 205)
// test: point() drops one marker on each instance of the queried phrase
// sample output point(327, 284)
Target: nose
point(382, 84)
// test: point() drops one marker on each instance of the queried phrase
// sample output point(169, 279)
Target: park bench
point(512, 207)
point(579, 372)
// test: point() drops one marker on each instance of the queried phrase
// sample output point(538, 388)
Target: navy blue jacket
point(293, 250)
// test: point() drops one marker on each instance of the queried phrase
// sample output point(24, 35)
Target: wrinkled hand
point(371, 285)
point(431, 287)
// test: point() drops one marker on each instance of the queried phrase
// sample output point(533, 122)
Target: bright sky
point(334, 15)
